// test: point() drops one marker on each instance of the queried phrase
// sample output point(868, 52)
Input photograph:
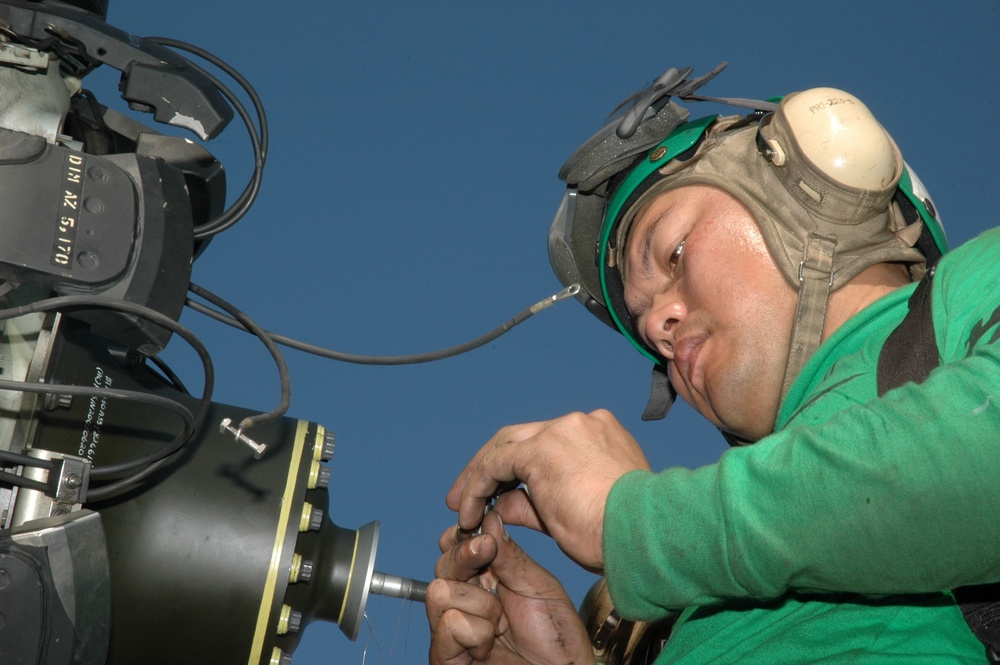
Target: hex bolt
point(329, 445)
point(311, 518)
point(316, 519)
point(53, 401)
point(300, 570)
point(279, 657)
point(306, 570)
point(323, 481)
point(293, 570)
point(258, 448)
point(305, 516)
point(289, 620)
point(72, 481)
point(319, 476)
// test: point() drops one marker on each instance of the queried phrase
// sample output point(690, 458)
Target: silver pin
point(258, 448)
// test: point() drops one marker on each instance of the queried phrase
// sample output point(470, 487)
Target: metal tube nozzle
point(398, 587)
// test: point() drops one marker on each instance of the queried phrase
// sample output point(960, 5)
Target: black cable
point(111, 393)
point(279, 360)
point(92, 302)
point(168, 374)
point(21, 481)
point(106, 491)
point(110, 489)
point(26, 460)
point(259, 141)
point(411, 359)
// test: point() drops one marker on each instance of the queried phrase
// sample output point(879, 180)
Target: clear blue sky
point(408, 193)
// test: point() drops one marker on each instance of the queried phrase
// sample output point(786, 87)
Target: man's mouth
point(686, 358)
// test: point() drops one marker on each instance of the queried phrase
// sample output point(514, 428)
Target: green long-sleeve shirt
point(891, 500)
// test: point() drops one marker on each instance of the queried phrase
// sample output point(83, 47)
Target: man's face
point(705, 293)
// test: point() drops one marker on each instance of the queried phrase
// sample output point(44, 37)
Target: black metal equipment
point(134, 515)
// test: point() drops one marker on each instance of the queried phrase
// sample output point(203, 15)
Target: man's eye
point(675, 256)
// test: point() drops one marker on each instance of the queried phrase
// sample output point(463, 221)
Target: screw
point(657, 154)
point(258, 448)
point(73, 481)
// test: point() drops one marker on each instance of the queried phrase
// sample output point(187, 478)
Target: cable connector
point(226, 426)
point(569, 292)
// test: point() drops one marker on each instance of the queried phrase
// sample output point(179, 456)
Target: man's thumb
point(514, 569)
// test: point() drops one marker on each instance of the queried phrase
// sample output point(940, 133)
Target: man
point(762, 263)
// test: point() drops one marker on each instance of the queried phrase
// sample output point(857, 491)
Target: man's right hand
point(491, 603)
point(568, 466)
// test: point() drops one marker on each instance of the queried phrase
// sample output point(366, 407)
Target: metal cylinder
point(398, 587)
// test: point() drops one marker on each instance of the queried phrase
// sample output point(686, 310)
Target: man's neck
point(868, 286)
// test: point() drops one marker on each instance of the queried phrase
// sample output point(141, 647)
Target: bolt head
point(329, 444)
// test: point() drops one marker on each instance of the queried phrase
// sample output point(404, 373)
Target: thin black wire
point(21, 481)
point(259, 141)
point(279, 360)
point(358, 359)
point(91, 302)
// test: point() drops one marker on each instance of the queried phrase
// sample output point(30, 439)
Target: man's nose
point(665, 316)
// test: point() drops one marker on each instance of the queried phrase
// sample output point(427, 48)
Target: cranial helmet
point(823, 179)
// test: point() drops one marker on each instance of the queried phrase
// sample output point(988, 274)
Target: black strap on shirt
point(981, 607)
point(910, 352)
point(909, 355)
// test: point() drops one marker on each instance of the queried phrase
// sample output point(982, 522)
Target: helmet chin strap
point(815, 284)
point(661, 395)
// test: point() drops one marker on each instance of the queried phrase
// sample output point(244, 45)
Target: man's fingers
point(459, 636)
point(494, 465)
point(515, 508)
point(463, 619)
point(446, 595)
point(461, 561)
point(514, 569)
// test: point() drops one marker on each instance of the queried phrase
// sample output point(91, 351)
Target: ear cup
point(837, 133)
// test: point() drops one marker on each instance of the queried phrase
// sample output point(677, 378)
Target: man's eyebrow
point(645, 251)
point(645, 261)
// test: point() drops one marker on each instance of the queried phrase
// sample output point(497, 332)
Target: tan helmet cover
point(819, 180)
